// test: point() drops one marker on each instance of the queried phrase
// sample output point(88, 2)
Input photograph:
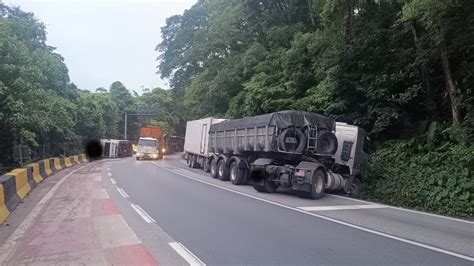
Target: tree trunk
point(311, 12)
point(429, 103)
point(451, 89)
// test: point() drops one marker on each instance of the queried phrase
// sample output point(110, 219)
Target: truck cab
point(148, 148)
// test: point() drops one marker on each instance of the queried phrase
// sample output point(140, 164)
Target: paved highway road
point(225, 224)
point(162, 212)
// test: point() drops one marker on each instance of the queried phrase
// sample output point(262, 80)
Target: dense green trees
point(372, 63)
point(41, 108)
point(398, 69)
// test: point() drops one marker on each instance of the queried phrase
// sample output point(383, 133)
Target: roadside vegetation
point(401, 70)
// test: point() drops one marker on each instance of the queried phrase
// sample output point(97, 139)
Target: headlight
point(163, 150)
point(139, 154)
point(154, 155)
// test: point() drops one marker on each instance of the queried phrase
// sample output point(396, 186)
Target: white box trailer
point(109, 148)
point(196, 141)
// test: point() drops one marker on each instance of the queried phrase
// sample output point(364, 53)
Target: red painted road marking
point(103, 207)
point(129, 255)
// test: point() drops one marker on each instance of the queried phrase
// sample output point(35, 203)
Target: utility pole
point(125, 129)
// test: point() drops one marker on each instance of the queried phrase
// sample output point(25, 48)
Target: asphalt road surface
point(126, 211)
point(225, 224)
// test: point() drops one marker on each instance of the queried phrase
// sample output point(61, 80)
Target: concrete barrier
point(75, 159)
point(68, 162)
point(57, 164)
point(16, 184)
point(84, 158)
point(35, 169)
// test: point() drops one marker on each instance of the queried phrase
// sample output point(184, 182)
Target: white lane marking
point(407, 210)
point(109, 174)
point(187, 255)
point(123, 193)
point(341, 207)
point(113, 181)
point(329, 219)
point(9, 246)
point(108, 169)
point(145, 216)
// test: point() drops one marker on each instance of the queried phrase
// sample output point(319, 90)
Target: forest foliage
point(41, 107)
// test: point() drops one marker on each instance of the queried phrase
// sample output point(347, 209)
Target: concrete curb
point(16, 184)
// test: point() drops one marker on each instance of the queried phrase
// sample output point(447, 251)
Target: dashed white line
point(113, 181)
point(328, 218)
point(109, 174)
point(123, 193)
point(145, 216)
point(342, 207)
point(187, 255)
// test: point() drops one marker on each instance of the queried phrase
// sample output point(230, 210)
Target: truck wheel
point(188, 160)
point(267, 187)
point(317, 185)
point(193, 163)
point(214, 168)
point(207, 166)
point(353, 189)
point(222, 171)
point(237, 175)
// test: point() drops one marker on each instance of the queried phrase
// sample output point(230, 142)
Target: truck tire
point(193, 163)
point(214, 168)
point(222, 170)
point(207, 166)
point(267, 187)
point(188, 160)
point(237, 175)
point(317, 185)
point(353, 188)
point(327, 143)
point(298, 147)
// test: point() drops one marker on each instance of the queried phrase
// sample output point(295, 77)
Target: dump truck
point(289, 149)
point(150, 143)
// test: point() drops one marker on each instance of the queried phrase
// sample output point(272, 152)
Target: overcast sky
point(103, 40)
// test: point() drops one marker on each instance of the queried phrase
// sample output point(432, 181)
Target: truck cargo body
point(173, 144)
point(196, 141)
point(114, 148)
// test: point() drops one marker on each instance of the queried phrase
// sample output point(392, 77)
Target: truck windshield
point(147, 142)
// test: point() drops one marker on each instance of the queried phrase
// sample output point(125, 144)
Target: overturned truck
point(291, 149)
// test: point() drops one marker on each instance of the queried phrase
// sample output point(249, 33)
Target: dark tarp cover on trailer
point(282, 119)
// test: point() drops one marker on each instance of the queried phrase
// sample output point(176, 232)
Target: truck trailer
point(115, 148)
point(196, 142)
point(304, 151)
